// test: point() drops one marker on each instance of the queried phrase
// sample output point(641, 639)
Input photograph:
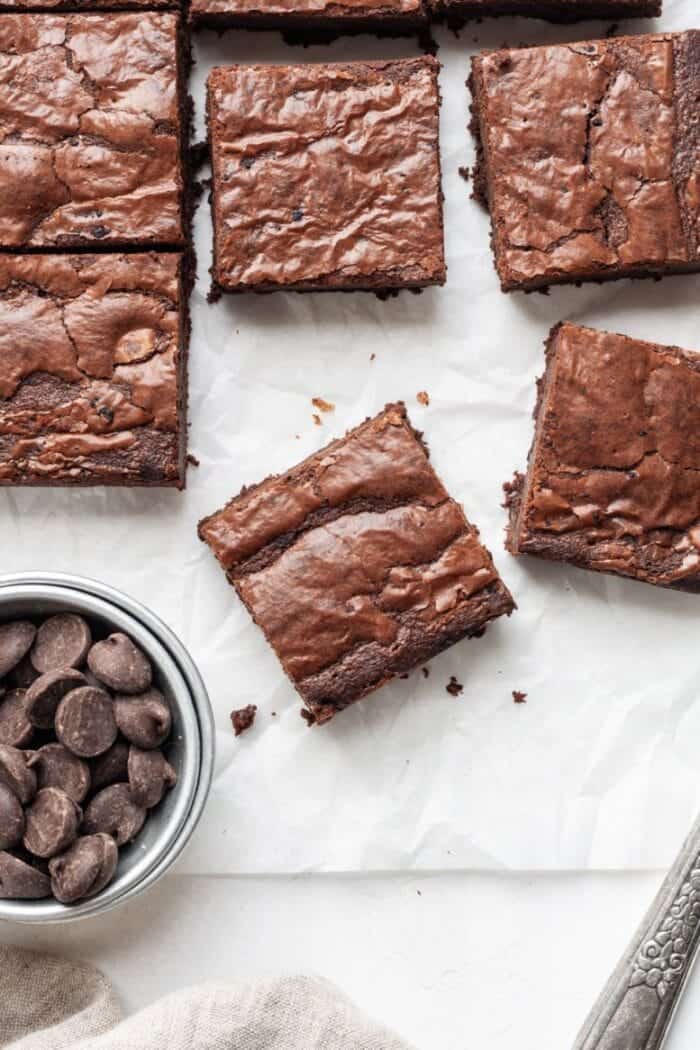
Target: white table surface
point(450, 961)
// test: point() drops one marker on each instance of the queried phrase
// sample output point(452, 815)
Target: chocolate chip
point(56, 766)
point(119, 664)
point(150, 774)
point(11, 818)
point(16, 774)
point(15, 640)
point(61, 641)
point(21, 881)
point(46, 692)
point(22, 676)
point(114, 812)
point(112, 767)
point(52, 823)
point(84, 869)
point(15, 728)
point(144, 720)
point(85, 721)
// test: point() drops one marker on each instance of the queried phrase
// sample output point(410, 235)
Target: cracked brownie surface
point(613, 481)
point(356, 564)
point(310, 15)
point(92, 369)
point(590, 158)
point(90, 150)
point(326, 176)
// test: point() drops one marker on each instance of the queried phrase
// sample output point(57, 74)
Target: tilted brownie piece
point(356, 564)
point(614, 471)
point(590, 158)
point(311, 18)
point(92, 111)
point(93, 352)
point(457, 12)
point(84, 5)
point(326, 176)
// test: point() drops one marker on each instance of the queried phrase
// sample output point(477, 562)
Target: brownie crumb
point(199, 155)
point(405, 675)
point(453, 687)
point(243, 718)
point(426, 672)
point(518, 697)
point(372, 357)
point(422, 397)
point(465, 172)
point(321, 405)
point(308, 716)
point(316, 418)
point(192, 460)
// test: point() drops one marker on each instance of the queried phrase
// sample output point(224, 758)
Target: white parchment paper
point(601, 766)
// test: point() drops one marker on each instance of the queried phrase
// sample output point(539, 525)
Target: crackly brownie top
point(360, 545)
point(88, 366)
point(89, 149)
point(326, 173)
point(616, 471)
point(321, 8)
point(593, 154)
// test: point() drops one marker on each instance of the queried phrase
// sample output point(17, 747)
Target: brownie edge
point(356, 564)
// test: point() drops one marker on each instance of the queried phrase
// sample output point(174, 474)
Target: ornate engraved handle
point(635, 1009)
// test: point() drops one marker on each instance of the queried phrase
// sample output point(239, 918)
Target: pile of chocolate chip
point(81, 725)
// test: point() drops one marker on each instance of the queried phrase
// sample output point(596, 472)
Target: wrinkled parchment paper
point(601, 766)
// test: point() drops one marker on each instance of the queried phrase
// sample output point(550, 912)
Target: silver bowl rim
point(25, 911)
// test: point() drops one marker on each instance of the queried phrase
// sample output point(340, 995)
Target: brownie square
point(326, 176)
point(310, 19)
point(590, 158)
point(459, 11)
point(92, 111)
point(356, 564)
point(17, 6)
point(613, 476)
point(93, 358)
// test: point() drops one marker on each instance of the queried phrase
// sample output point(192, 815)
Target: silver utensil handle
point(636, 1006)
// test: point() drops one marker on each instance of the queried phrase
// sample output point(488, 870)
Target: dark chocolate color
point(16, 774)
point(15, 728)
point(144, 720)
point(91, 113)
point(11, 818)
point(56, 766)
point(310, 20)
point(356, 563)
point(150, 775)
point(52, 822)
point(326, 176)
point(94, 377)
point(456, 12)
point(590, 158)
point(45, 694)
point(16, 638)
point(112, 767)
point(612, 481)
point(61, 641)
point(85, 722)
point(84, 869)
point(242, 718)
point(120, 664)
point(21, 881)
point(114, 812)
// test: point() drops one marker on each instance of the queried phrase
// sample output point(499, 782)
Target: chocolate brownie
point(326, 176)
point(310, 18)
point(17, 6)
point(457, 12)
point(356, 564)
point(612, 480)
point(93, 113)
point(93, 353)
point(590, 158)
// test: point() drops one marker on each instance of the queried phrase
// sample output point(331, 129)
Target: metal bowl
point(190, 749)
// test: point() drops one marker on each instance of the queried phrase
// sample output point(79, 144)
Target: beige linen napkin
point(48, 1003)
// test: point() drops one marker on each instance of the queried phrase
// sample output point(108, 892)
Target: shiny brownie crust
point(326, 176)
point(93, 369)
point(356, 564)
point(94, 118)
point(589, 158)
point(612, 479)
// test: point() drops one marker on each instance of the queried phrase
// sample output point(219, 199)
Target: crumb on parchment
point(242, 718)
point(518, 697)
point(422, 397)
point(322, 405)
point(453, 687)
